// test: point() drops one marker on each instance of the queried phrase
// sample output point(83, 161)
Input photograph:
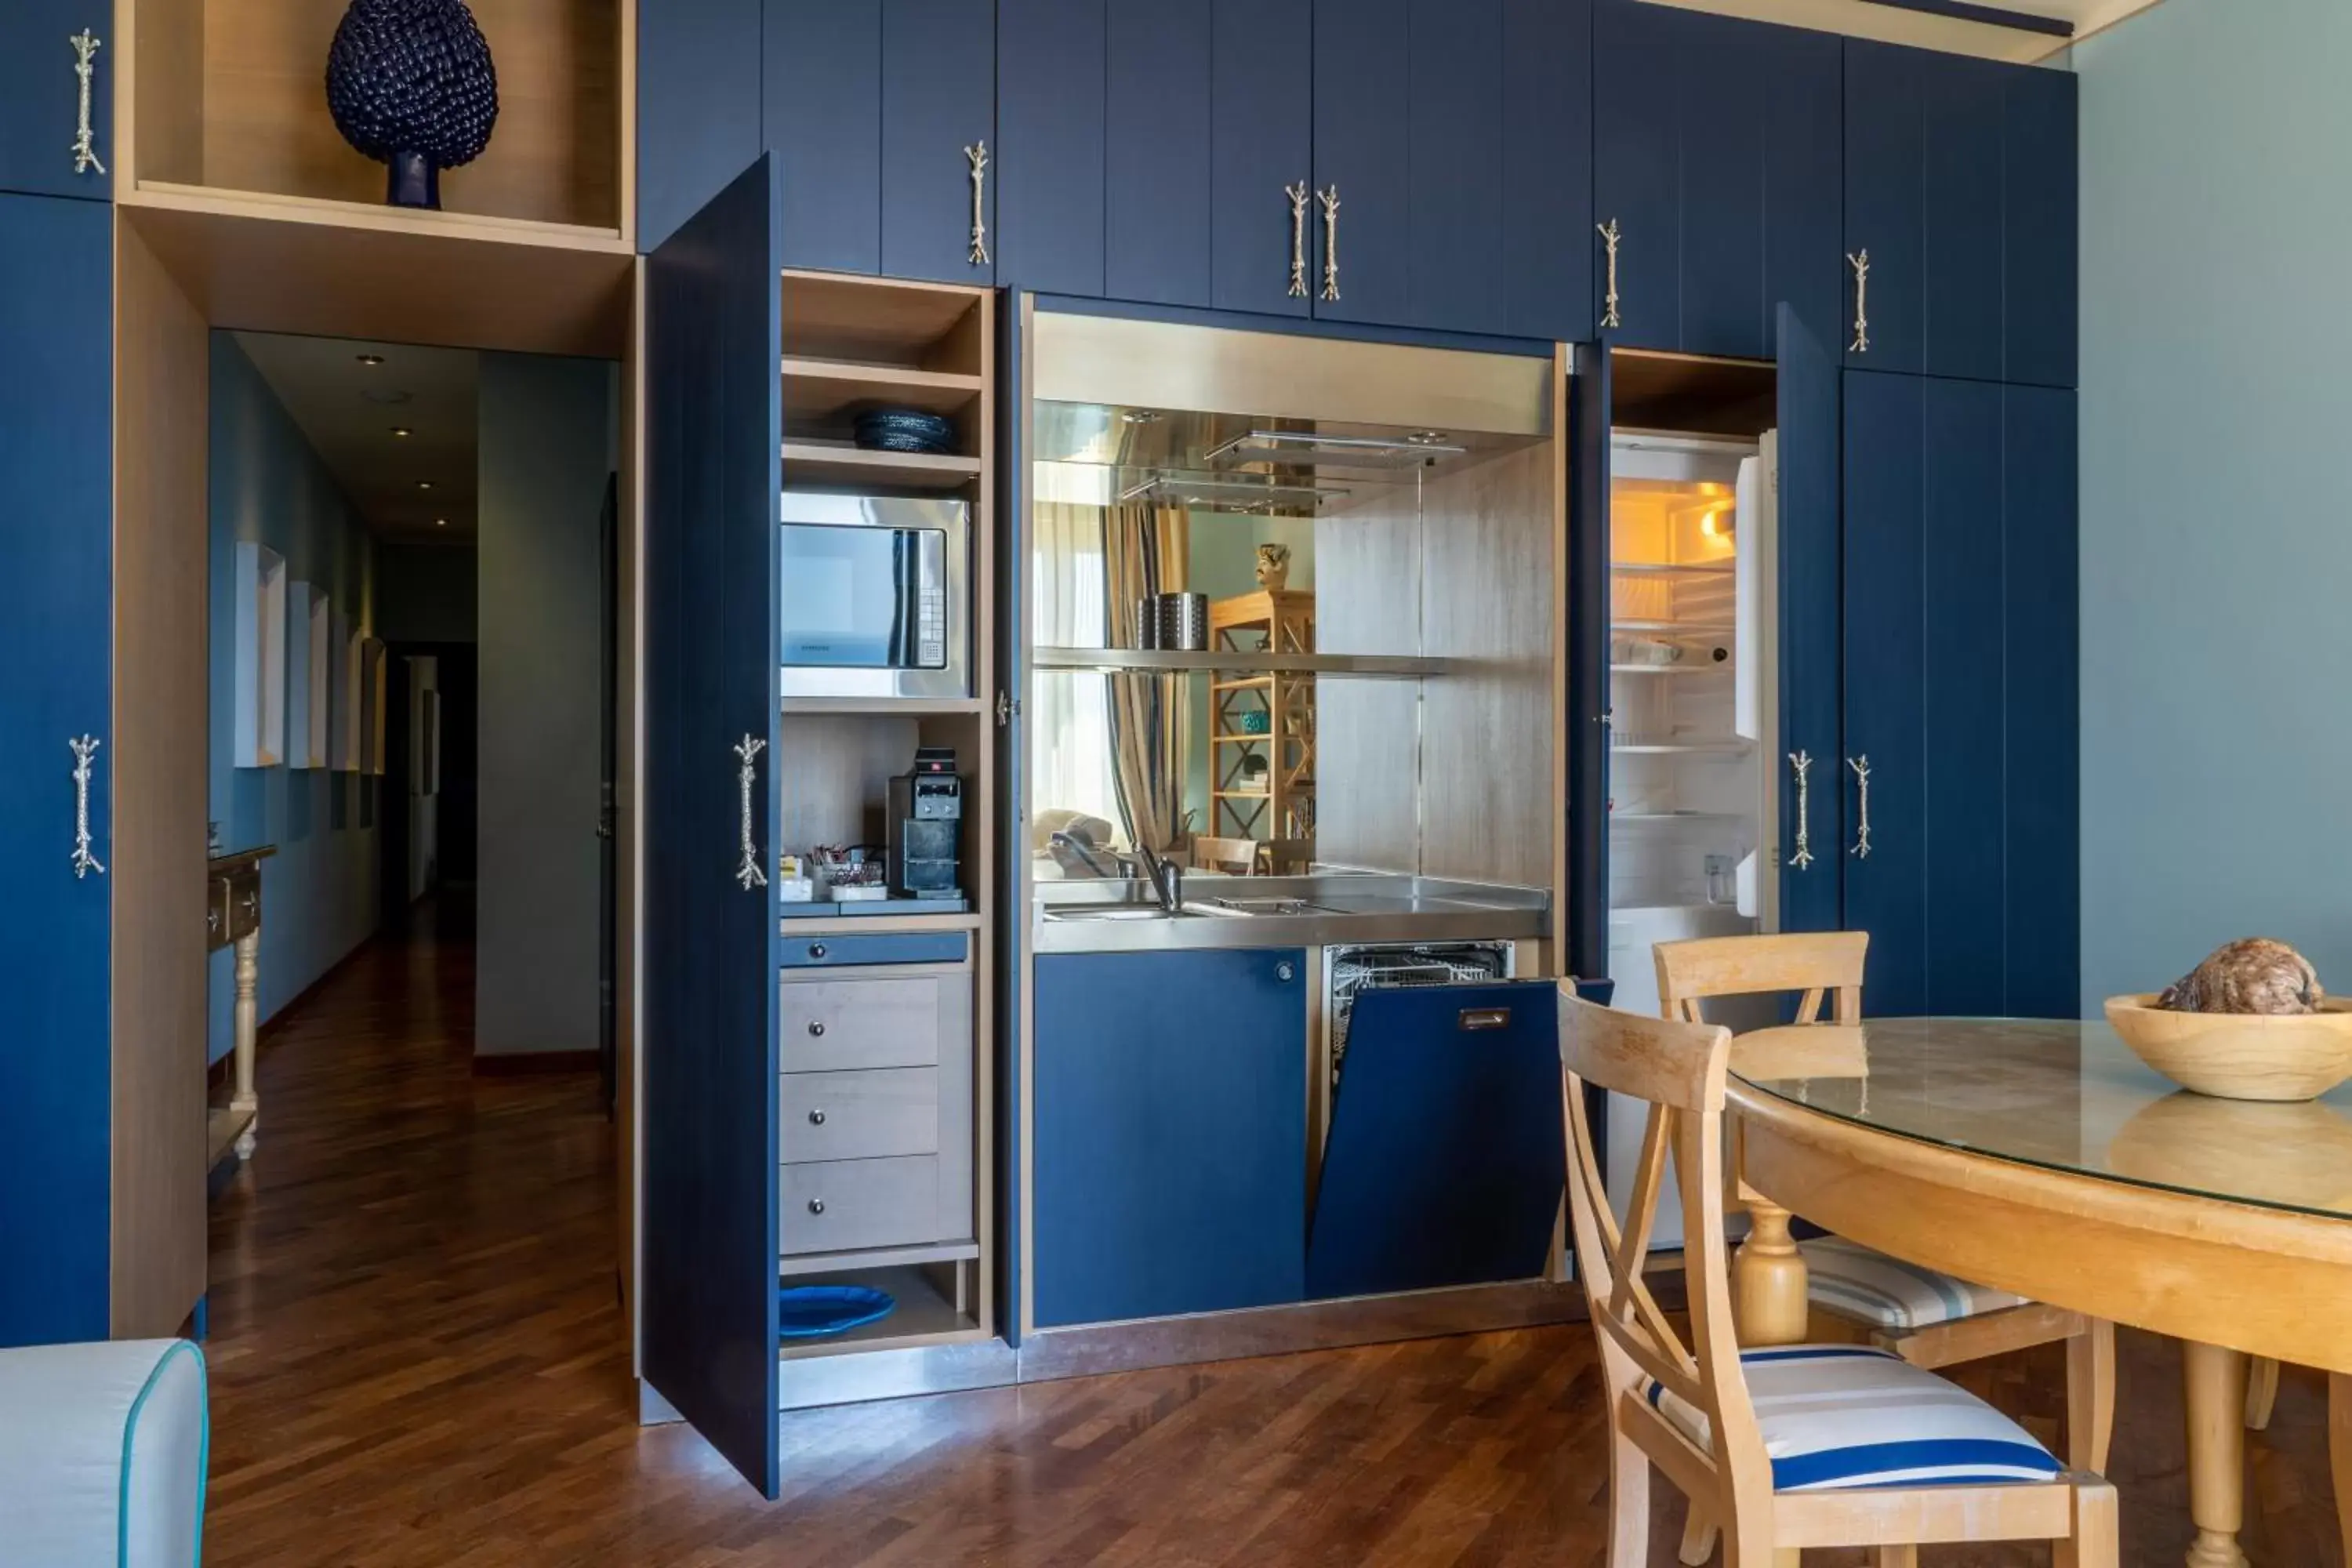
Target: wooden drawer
point(895, 947)
point(830, 1024)
point(836, 1205)
point(860, 1115)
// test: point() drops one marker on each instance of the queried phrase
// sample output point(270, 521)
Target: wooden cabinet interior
point(226, 95)
point(852, 344)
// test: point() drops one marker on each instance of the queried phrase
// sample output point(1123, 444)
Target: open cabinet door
point(1586, 955)
point(712, 422)
point(1811, 830)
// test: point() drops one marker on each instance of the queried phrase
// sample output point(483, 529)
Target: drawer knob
point(816, 1028)
point(1283, 972)
point(816, 1119)
point(816, 950)
point(817, 1206)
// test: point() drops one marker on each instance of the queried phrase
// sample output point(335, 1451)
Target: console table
point(233, 918)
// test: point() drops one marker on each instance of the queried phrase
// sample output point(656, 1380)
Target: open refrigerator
point(1693, 716)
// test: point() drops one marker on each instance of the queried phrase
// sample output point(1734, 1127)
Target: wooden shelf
point(924, 1316)
point(877, 322)
point(847, 925)
point(1169, 662)
point(1728, 747)
point(1671, 569)
point(1679, 628)
point(807, 462)
point(1725, 667)
point(875, 1258)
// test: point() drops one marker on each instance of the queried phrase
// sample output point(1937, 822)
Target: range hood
point(1163, 413)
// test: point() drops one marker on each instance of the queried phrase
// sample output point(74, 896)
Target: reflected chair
point(1787, 1446)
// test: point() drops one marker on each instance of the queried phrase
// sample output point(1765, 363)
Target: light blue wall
point(2216, 224)
point(319, 892)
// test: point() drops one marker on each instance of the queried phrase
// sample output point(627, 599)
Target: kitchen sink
point(1111, 912)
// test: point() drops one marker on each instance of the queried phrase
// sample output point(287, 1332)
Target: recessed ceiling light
point(369, 359)
point(1141, 415)
point(402, 430)
point(424, 484)
point(440, 523)
point(1426, 437)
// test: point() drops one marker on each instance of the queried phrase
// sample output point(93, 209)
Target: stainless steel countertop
point(1333, 908)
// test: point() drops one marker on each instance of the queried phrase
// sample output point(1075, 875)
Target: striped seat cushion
point(1840, 1416)
point(1887, 1293)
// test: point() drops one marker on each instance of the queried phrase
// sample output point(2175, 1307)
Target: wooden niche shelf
point(852, 344)
point(228, 96)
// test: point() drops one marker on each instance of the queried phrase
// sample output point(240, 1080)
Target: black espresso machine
point(926, 808)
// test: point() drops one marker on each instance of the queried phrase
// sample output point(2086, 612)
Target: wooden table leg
point(2339, 1455)
point(243, 1099)
point(2216, 1388)
point(1768, 1279)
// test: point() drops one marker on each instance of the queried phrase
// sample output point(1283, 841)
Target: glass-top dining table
point(2042, 1157)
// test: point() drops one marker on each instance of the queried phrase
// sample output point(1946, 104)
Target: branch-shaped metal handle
point(1297, 195)
point(748, 872)
point(85, 142)
point(1860, 261)
point(1610, 235)
point(85, 748)
point(1802, 763)
point(1860, 766)
point(976, 156)
point(1330, 202)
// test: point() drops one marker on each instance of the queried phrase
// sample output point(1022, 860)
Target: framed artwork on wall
point(259, 726)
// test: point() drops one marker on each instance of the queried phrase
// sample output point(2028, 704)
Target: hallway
point(417, 1359)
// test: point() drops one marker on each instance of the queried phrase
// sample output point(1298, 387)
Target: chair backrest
point(1237, 857)
point(1678, 1068)
point(1816, 963)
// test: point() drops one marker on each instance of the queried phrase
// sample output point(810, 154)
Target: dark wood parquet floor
point(416, 1359)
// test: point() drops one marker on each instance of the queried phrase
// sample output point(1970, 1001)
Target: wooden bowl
point(2241, 1056)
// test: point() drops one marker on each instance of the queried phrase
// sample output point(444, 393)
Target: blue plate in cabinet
point(815, 1311)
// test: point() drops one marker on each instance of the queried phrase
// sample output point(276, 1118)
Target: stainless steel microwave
point(877, 597)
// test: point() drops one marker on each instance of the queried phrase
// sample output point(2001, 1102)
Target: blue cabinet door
point(1717, 149)
point(1158, 208)
point(1923, 196)
point(2042, 787)
point(1363, 157)
point(708, 1308)
point(1051, 66)
point(1884, 463)
point(938, 98)
point(698, 106)
point(1547, 164)
point(1587, 633)
point(1262, 142)
point(40, 98)
point(57, 562)
point(1170, 1145)
point(2039, 245)
point(1811, 710)
point(1454, 171)
point(822, 122)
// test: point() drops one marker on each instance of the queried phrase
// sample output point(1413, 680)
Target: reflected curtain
point(1144, 552)
point(1071, 768)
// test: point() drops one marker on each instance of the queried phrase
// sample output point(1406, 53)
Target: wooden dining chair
point(1928, 1319)
point(1234, 856)
point(1789, 1446)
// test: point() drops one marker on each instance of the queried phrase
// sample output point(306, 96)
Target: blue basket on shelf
point(819, 1312)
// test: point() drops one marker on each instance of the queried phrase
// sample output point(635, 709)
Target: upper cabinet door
point(698, 102)
point(1546, 166)
point(822, 122)
point(707, 1307)
point(1716, 158)
point(1160, 229)
point(2041, 572)
point(1362, 212)
point(1051, 105)
point(1924, 204)
point(939, 117)
point(42, 151)
point(1457, 252)
point(1637, 173)
point(2039, 245)
point(1262, 147)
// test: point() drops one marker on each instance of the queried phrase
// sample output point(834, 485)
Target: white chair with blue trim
point(1928, 1319)
point(1788, 1446)
point(102, 1455)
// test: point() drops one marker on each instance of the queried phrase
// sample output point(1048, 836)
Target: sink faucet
point(1166, 877)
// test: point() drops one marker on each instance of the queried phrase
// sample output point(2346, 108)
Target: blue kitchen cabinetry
point(868, 110)
point(1456, 137)
point(1716, 164)
point(40, 98)
point(1960, 670)
point(1813, 822)
point(56, 640)
point(1169, 1137)
point(1961, 189)
point(1051, 66)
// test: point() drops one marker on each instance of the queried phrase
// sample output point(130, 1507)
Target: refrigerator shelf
point(1673, 569)
point(1687, 628)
